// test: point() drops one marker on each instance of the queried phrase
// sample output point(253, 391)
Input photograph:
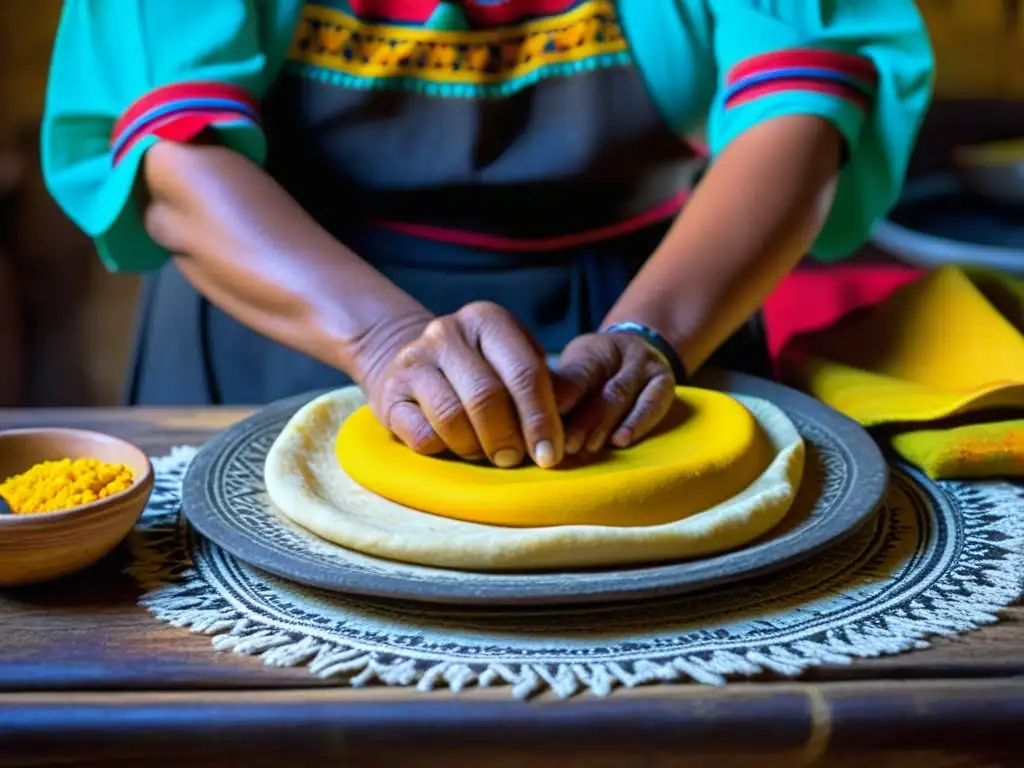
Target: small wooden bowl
point(48, 545)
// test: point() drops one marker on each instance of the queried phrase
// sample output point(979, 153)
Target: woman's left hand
point(615, 387)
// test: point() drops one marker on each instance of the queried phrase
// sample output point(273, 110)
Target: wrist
point(656, 341)
point(679, 313)
point(369, 354)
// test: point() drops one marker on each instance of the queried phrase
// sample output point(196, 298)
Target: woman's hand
point(614, 386)
point(474, 383)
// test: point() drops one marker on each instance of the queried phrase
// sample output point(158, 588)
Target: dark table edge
point(971, 715)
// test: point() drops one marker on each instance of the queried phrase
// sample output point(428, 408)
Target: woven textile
point(940, 559)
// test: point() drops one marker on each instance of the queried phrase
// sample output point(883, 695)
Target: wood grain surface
point(79, 657)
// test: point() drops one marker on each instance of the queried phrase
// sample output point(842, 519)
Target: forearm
point(754, 215)
point(251, 249)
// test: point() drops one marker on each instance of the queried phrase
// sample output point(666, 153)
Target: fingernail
point(573, 442)
point(621, 438)
point(544, 454)
point(596, 443)
point(507, 458)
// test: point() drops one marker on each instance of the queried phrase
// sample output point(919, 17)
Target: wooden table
point(89, 678)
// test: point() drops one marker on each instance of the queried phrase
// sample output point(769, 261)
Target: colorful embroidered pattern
point(482, 14)
point(844, 75)
point(501, 13)
point(398, 11)
point(180, 112)
point(336, 47)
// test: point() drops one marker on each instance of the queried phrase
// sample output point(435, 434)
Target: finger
point(567, 394)
point(402, 416)
point(616, 399)
point(444, 410)
point(582, 422)
point(524, 372)
point(600, 365)
point(487, 403)
point(652, 406)
point(586, 364)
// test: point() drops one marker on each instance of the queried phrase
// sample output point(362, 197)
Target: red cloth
point(813, 298)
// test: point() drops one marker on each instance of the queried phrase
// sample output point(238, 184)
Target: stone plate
point(224, 498)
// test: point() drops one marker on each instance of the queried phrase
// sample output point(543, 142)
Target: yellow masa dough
point(306, 484)
point(707, 450)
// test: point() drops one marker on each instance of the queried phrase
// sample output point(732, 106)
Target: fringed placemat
point(940, 559)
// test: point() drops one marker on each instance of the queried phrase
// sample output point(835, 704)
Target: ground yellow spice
point(55, 485)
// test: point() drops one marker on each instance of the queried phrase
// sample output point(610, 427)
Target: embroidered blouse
point(523, 125)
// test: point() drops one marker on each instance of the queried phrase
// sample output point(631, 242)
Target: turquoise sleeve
point(166, 64)
point(865, 66)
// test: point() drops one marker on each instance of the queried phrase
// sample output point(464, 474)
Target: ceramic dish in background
point(47, 545)
point(940, 221)
point(994, 170)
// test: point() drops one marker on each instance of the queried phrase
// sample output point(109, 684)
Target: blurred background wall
point(75, 320)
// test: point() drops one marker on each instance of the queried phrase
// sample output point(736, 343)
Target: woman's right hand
point(474, 383)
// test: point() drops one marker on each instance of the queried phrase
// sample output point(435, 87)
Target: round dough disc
point(708, 449)
point(307, 485)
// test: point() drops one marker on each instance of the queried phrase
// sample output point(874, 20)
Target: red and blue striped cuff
point(181, 112)
point(844, 75)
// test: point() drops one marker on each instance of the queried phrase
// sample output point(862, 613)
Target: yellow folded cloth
point(939, 366)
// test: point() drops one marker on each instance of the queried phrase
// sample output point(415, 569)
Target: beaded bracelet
point(658, 342)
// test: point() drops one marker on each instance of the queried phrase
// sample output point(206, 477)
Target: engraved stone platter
point(224, 499)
